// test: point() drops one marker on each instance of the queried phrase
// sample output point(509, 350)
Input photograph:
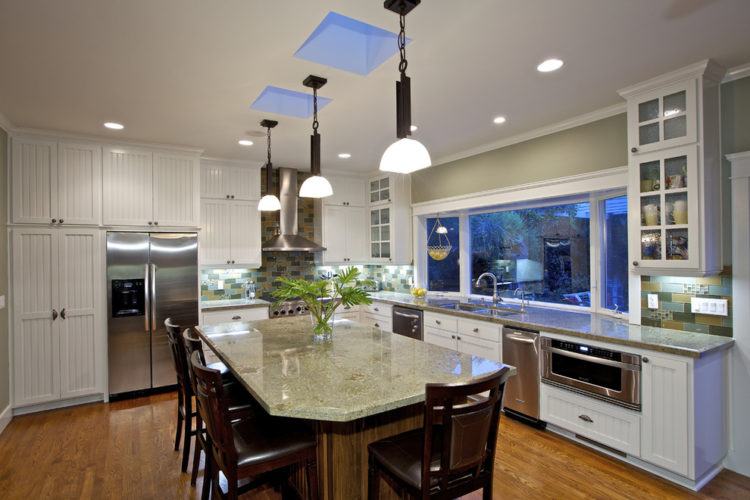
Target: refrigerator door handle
point(147, 299)
point(153, 296)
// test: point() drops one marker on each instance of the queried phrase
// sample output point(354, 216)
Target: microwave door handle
point(153, 296)
point(403, 315)
point(594, 359)
point(146, 299)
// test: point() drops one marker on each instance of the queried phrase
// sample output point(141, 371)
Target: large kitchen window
point(542, 253)
point(444, 275)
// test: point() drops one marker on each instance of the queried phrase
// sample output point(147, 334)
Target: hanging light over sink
point(315, 186)
point(405, 155)
point(270, 202)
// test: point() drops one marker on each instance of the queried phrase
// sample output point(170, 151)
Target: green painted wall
point(4, 356)
point(594, 146)
point(735, 116)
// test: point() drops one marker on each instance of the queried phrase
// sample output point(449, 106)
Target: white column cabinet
point(244, 223)
point(215, 235)
point(230, 234)
point(34, 180)
point(128, 187)
point(175, 188)
point(57, 314)
point(79, 184)
point(390, 222)
point(347, 191)
point(665, 413)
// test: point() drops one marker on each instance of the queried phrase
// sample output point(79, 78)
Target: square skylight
point(348, 44)
point(287, 102)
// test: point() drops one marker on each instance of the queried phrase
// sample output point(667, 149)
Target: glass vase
point(321, 329)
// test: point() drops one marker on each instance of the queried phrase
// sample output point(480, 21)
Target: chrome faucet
point(524, 299)
point(495, 298)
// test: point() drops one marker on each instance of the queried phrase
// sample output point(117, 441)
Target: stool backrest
point(465, 421)
point(192, 344)
point(178, 355)
point(209, 391)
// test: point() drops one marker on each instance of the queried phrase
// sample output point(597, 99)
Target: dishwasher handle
point(516, 338)
point(404, 315)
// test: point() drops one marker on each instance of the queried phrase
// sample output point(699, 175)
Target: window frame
point(597, 248)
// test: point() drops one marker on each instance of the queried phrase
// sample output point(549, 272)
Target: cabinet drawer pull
point(377, 325)
point(375, 309)
point(437, 321)
point(458, 337)
point(586, 418)
point(235, 318)
point(476, 330)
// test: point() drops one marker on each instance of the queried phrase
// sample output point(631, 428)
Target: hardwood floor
point(124, 450)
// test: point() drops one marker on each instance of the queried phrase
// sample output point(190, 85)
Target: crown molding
point(576, 121)
point(58, 134)
point(233, 161)
point(5, 123)
point(706, 68)
point(736, 73)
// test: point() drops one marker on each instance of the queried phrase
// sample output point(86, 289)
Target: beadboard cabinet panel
point(128, 193)
point(176, 190)
point(245, 237)
point(33, 172)
point(79, 184)
point(215, 236)
point(225, 181)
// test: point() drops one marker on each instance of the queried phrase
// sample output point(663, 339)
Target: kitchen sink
point(482, 309)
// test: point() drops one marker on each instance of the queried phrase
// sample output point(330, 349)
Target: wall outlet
point(653, 301)
point(715, 307)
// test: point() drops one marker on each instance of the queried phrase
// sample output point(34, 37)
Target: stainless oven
point(612, 376)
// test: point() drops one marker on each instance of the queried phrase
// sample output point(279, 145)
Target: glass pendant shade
point(405, 156)
point(315, 186)
point(269, 203)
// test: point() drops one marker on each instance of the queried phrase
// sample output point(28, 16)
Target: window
point(615, 254)
point(444, 275)
point(544, 252)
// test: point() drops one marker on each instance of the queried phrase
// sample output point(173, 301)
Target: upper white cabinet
point(674, 190)
point(347, 191)
point(230, 233)
point(145, 188)
point(344, 234)
point(390, 222)
point(55, 182)
point(229, 181)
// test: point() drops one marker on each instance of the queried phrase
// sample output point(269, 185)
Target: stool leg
point(208, 474)
point(487, 491)
point(312, 478)
point(178, 431)
point(188, 432)
point(196, 461)
point(373, 479)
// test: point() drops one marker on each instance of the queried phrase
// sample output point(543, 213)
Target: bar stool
point(453, 454)
point(249, 448)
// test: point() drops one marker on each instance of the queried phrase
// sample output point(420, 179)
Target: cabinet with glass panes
point(390, 219)
point(674, 189)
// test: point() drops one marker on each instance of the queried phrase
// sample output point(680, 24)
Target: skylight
point(287, 102)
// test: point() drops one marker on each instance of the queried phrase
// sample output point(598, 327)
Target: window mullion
point(464, 262)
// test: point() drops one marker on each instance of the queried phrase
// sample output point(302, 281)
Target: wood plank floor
point(124, 450)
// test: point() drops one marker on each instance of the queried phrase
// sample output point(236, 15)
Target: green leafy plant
point(323, 297)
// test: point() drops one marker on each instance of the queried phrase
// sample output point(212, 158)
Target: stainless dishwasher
point(521, 349)
point(407, 321)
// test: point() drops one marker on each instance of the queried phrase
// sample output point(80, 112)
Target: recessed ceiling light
point(345, 155)
point(114, 125)
point(413, 128)
point(245, 142)
point(498, 120)
point(550, 65)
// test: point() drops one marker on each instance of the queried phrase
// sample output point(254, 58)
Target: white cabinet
point(674, 191)
point(347, 191)
point(57, 314)
point(378, 315)
point(665, 413)
point(344, 234)
point(477, 338)
point(229, 181)
point(230, 234)
point(145, 188)
point(55, 183)
point(209, 317)
point(390, 223)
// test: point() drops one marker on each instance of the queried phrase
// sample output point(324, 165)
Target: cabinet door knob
point(586, 418)
point(377, 325)
point(635, 263)
point(476, 330)
point(458, 337)
point(227, 197)
point(54, 315)
point(438, 322)
point(156, 223)
point(453, 336)
point(54, 221)
point(375, 309)
point(229, 262)
point(149, 223)
point(62, 313)
point(232, 196)
point(633, 150)
point(232, 262)
point(644, 359)
point(61, 221)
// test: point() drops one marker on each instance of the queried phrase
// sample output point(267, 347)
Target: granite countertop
point(361, 371)
point(217, 305)
point(592, 326)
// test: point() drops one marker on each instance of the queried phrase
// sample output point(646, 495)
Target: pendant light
point(269, 202)
point(315, 186)
point(405, 155)
point(439, 247)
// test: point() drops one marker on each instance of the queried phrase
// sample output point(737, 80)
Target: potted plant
point(323, 297)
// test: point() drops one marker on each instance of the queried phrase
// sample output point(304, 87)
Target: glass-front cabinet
point(380, 190)
point(666, 213)
point(663, 118)
point(380, 233)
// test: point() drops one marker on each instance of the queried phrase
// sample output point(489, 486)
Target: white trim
point(737, 73)
point(600, 180)
point(104, 140)
point(706, 68)
point(53, 405)
point(576, 121)
point(5, 123)
point(233, 161)
point(5, 417)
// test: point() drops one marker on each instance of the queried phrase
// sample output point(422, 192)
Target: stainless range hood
point(288, 240)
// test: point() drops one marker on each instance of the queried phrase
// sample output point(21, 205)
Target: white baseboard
point(53, 405)
point(5, 418)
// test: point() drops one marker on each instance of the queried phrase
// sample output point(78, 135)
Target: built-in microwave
point(612, 376)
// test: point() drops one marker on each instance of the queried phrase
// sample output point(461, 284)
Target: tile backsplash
point(674, 302)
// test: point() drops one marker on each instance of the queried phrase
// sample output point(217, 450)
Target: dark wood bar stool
point(454, 452)
point(249, 448)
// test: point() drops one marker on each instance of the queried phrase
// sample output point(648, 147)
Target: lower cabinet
point(378, 314)
point(477, 338)
point(347, 312)
point(228, 315)
point(58, 319)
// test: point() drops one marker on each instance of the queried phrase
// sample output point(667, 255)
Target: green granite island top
point(218, 305)
point(585, 325)
point(361, 371)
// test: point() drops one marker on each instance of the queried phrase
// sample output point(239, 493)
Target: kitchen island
point(360, 386)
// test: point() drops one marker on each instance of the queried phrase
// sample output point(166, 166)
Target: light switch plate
point(653, 301)
point(715, 307)
point(2, 301)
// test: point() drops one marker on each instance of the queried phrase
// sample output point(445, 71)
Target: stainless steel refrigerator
point(150, 277)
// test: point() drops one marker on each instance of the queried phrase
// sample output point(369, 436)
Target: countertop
point(218, 305)
point(585, 325)
point(360, 371)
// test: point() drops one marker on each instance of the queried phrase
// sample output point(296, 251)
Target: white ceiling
point(185, 72)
